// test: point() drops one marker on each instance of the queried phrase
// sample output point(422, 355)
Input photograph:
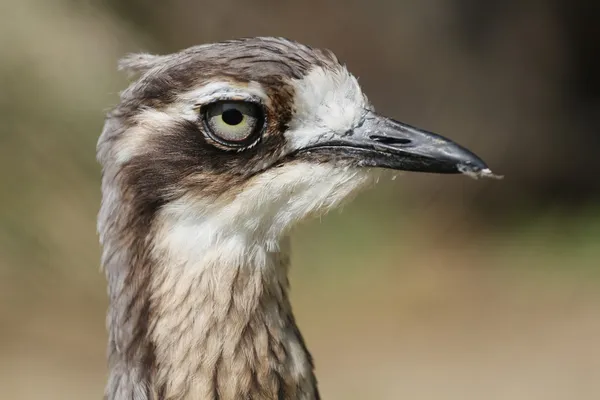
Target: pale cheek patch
point(327, 103)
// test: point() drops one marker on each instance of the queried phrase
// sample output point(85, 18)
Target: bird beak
point(385, 143)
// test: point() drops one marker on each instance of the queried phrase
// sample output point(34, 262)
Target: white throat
point(219, 289)
point(244, 227)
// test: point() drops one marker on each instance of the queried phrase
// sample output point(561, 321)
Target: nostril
point(390, 140)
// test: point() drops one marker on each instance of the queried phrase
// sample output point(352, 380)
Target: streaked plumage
point(212, 155)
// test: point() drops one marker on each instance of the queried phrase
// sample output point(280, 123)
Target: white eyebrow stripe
point(219, 90)
point(188, 102)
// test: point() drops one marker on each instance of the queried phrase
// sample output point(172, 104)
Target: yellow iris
point(233, 121)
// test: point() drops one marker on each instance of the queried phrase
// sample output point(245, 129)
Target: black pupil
point(232, 116)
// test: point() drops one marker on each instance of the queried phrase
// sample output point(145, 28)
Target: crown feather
point(139, 63)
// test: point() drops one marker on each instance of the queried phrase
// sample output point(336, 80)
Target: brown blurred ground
point(425, 288)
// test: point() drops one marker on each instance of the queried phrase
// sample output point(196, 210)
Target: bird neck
point(215, 324)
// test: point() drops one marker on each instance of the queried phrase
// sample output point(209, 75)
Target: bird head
point(254, 135)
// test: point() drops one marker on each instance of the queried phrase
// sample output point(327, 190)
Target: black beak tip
point(471, 162)
point(471, 165)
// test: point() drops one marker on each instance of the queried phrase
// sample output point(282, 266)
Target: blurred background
point(426, 287)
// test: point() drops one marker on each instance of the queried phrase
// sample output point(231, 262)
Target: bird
point(210, 157)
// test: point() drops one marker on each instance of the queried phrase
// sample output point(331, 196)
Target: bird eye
point(234, 123)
